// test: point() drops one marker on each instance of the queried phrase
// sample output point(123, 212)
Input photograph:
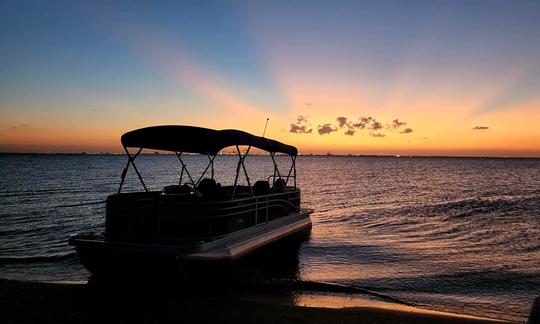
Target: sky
point(346, 77)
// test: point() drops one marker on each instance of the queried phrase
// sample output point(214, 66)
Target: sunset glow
point(460, 77)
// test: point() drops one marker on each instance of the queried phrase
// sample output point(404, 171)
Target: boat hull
point(101, 256)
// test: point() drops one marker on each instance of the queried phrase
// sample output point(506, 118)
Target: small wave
point(323, 287)
point(38, 259)
point(89, 203)
point(474, 282)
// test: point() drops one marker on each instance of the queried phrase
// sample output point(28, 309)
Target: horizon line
point(300, 154)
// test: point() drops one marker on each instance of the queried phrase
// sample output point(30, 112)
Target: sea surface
point(452, 234)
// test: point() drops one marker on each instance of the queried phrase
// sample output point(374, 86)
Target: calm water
point(453, 234)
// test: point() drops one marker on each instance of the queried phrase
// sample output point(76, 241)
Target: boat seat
point(210, 189)
point(178, 189)
point(261, 187)
point(279, 185)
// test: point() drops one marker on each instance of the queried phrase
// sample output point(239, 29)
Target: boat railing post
point(267, 210)
point(256, 210)
point(210, 218)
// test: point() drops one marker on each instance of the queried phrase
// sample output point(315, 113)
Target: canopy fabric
point(191, 139)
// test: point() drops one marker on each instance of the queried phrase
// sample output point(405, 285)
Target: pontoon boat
point(197, 220)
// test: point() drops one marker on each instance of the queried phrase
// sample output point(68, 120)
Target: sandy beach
point(32, 302)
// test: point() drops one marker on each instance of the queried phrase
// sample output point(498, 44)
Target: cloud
point(365, 120)
point(301, 126)
point(375, 125)
point(349, 126)
point(326, 129)
point(342, 121)
point(300, 129)
point(480, 127)
point(301, 119)
point(396, 123)
point(362, 122)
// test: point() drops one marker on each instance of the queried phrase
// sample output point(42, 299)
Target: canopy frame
point(131, 160)
point(218, 141)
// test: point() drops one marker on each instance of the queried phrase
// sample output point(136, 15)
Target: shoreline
point(45, 302)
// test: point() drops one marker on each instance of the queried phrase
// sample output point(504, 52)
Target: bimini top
point(191, 139)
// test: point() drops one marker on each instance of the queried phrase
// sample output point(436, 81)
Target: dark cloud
point(350, 128)
point(308, 104)
point(301, 126)
point(365, 120)
point(326, 129)
point(480, 127)
point(301, 119)
point(362, 122)
point(342, 121)
point(300, 129)
point(375, 125)
point(396, 123)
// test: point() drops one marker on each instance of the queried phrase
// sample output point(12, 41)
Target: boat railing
point(169, 217)
point(222, 217)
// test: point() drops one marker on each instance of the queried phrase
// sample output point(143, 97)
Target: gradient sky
point(464, 76)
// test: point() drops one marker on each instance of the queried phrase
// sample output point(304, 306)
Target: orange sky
point(78, 77)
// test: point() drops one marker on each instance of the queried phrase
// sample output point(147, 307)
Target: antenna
point(264, 132)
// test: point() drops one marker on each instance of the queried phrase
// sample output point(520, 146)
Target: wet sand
point(32, 302)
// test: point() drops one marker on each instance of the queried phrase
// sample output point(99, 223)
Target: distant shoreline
point(300, 155)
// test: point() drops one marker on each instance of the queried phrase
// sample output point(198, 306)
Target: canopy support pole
point(294, 166)
point(207, 167)
point(290, 170)
point(276, 169)
point(185, 168)
point(212, 162)
point(131, 160)
point(181, 173)
point(241, 159)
